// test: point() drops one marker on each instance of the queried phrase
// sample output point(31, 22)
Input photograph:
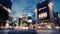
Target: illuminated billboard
point(42, 15)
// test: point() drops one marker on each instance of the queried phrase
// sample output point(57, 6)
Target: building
point(5, 9)
point(57, 18)
point(19, 21)
point(6, 3)
point(45, 11)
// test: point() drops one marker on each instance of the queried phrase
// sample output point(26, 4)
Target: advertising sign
point(43, 15)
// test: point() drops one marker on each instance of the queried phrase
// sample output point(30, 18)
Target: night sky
point(20, 7)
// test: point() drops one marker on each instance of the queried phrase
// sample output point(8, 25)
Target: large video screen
point(43, 15)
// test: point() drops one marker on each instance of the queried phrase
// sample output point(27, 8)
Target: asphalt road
point(29, 32)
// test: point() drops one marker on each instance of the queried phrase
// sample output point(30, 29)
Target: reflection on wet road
point(29, 32)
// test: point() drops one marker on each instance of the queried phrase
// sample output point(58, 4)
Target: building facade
point(5, 9)
point(44, 11)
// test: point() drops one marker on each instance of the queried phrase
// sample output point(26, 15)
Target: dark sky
point(20, 7)
point(56, 5)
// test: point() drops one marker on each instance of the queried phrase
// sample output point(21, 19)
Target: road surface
point(29, 32)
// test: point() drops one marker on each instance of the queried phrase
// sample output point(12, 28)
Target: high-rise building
point(6, 3)
point(5, 9)
point(57, 20)
point(45, 11)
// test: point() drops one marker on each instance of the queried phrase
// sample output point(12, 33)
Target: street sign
point(29, 14)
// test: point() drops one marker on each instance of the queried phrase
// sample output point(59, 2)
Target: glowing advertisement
point(43, 15)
